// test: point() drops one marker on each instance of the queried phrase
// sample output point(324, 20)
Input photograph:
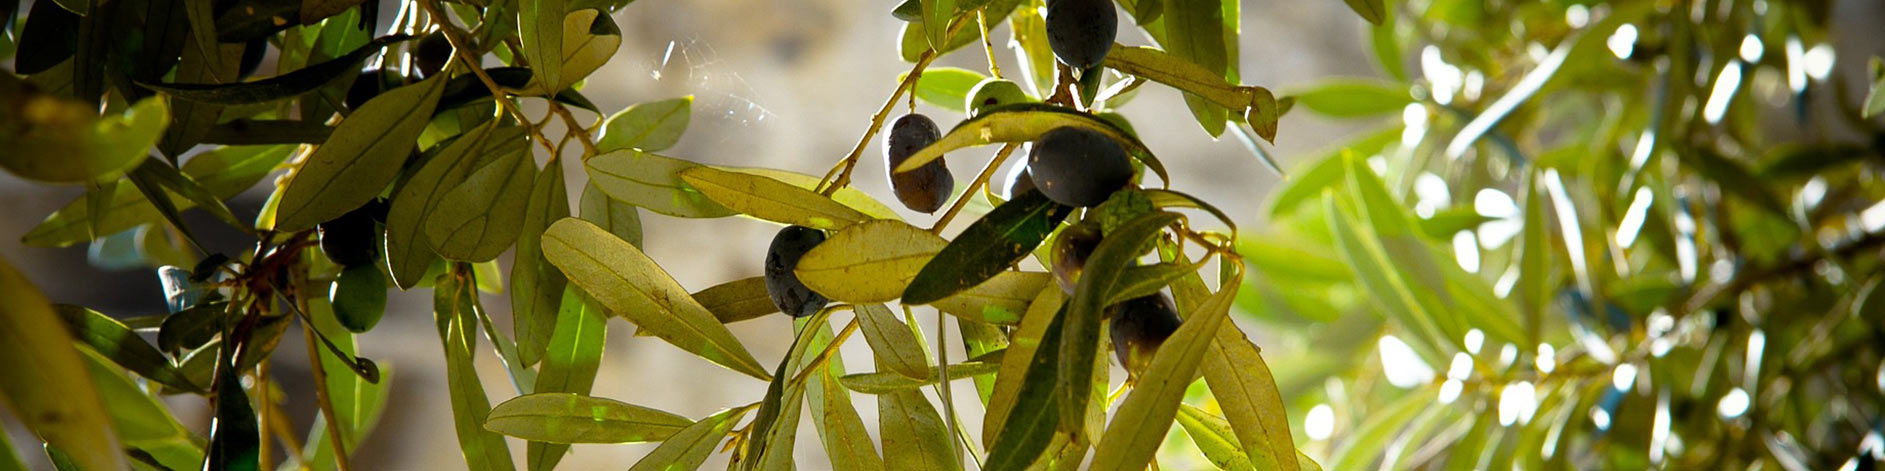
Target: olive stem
point(828, 186)
point(263, 452)
point(988, 45)
point(335, 439)
point(980, 180)
point(460, 45)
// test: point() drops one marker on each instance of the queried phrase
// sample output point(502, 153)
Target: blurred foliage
point(1585, 235)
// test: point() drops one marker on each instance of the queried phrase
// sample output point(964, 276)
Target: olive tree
point(406, 157)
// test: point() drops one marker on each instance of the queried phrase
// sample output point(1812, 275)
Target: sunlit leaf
point(737, 300)
point(1362, 447)
point(60, 141)
point(629, 284)
point(936, 17)
point(888, 382)
point(590, 38)
point(1372, 10)
point(1241, 381)
point(1354, 98)
point(690, 446)
point(453, 309)
point(1029, 417)
point(989, 246)
point(945, 87)
point(652, 182)
point(652, 126)
point(1142, 419)
point(1000, 300)
point(141, 421)
point(117, 342)
point(536, 285)
point(846, 441)
point(235, 437)
point(481, 216)
point(1194, 32)
point(621, 219)
point(540, 26)
point(1080, 342)
point(570, 362)
point(364, 155)
point(871, 262)
point(769, 199)
point(892, 343)
point(575, 418)
point(408, 252)
point(913, 433)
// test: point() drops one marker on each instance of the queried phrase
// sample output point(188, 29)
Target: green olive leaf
point(1354, 98)
point(570, 362)
point(590, 38)
point(621, 219)
point(409, 253)
point(1246, 391)
point(652, 182)
point(575, 418)
point(37, 352)
point(1023, 345)
point(1080, 342)
point(360, 159)
point(454, 309)
point(770, 199)
point(536, 285)
point(483, 215)
point(913, 434)
point(936, 17)
point(737, 300)
point(1372, 10)
point(117, 342)
point(1000, 301)
point(892, 343)
point(652, 126)
point(143, 424)
point(1199, 83)
point(889, 382)
point(870, 262)
point(690, 446)
point(540, 26)
point(945, 87)
point(1022, 122)
point(235, 437)
point(631, 285)
point(1194, 32)
point(840, 428)
point(1142, 419)
point(1028, 423)
point(989, 246)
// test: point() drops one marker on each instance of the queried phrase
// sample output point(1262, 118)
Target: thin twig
point(461, 47)
point(335, 439)
point(823, 356)
point(828, 186)
point(988, 45)
point(980, 180)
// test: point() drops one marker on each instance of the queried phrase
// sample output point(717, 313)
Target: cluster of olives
point(1139, 325)
point(352, 241)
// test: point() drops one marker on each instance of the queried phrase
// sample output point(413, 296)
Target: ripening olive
point(782, 285)
point(1071, 249)
point(1139, 326)
point(359, 297)
point(927, 188)
point(432, 53)
point(1078, 167)
point(1081, 31)
point(994, 92)
point(350, 240)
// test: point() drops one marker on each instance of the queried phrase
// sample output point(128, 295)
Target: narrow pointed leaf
point(989, 246)
point(570, 362)
point(36, 352)
point(1027, 428)
point(631, 285)
point(652, 182)
point(1080, 342)
point(117, 342)
point(1024, 122)
point(409, 253)
point(1001, 300)
point(363, 156)
point(772, 200)
point(541, 28)
point(889, 382)
point(454, 306)
point(1372, 10)
point(652, 126)
point(1140, 423)
point(892, 343)
point(575, 418)
point(737, 300)
point(913, 433)
point(481, 216)
point(289, 85)
point(621, 219)
point(690, 446)
point(1246, 391)
point(536, 285)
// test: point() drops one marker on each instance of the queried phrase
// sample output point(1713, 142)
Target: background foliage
point(1647, 273)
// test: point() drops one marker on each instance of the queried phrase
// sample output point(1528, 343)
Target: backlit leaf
point(117, 342)
point(453, 309)
point(570, 362)
point(1140, 423)
point(481, 216)
point(652, 182)
point(621, 219)
point(536, 285)
point(769, 199)
point(1023, 122)
point(61, 141)
point(888, 382)
point(737, 300)
point(408, 252)
point(363, 156)
point(1245, 389)
point(913, 433)
point(1194, 31)
point(1372, 10)
point(541, 28)
point(629, 284)
point(1028, 426)
point(575, 418)
point(870, 262)
point(945, 87)
point(1024, 345)
point(690, 446)
point(1080, 341)
point(891, 342)
point(590, 38)
point(36, 351)
point(1000, 300)
point(1354, 98)
point(652, 126)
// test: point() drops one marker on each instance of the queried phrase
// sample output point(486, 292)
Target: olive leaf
point(35, 349)
point(1256, 104)
point(913, 434)
point(570, 362)
point(631, 285)
point(1000, 300)
point(889, 382)
point(141, 421)
point(1021, 122)
point(63, 141)
point(481, 216)
point(363, 156)
point(1246, 391)
point(541, 27)
point(945, 87)
point(575, 418)
point(536, 285)
point(989, 246)
point(409, 253)
point(1354, 98)
point(117, 342)
point(235, 437)
point(223, 172)
point(1104, 269)
point(870, 262)
point(621, 219)
point(690, 446)
point(891, 342)
point(652, 126)
point(770, 199)
point(1194, 32)
point(589, 38)
point(288, 85)
point(737, 300)
point(936, 17)
point(1372, 10)
point(652, 182)
point(1140, 423)
point(454, 309)
point(842, 431)
point(1023, 345)
point(1029, 425)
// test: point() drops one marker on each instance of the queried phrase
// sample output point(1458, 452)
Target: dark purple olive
point(782, 285)
point(1081, 31)
point(350, 240)
point(927, 188)
point(1078, 167)
point(1139, 326)
point(1071, 249)
point(432, 53)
